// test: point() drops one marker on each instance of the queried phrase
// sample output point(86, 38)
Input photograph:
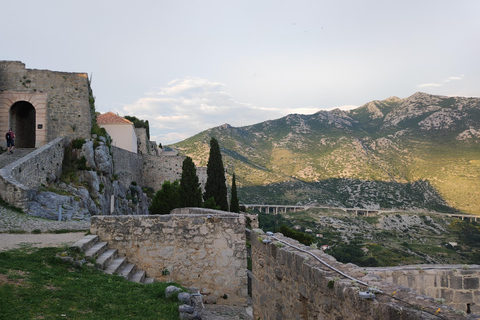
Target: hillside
point(418, 152)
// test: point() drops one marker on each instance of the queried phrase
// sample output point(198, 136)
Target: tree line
point(188, 193)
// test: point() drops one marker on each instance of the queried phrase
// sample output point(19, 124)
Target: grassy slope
point(34, 284)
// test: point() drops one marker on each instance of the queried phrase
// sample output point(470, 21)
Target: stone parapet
point(194, 247)
point(291, 284)
point(36, 168)
point(457, 285)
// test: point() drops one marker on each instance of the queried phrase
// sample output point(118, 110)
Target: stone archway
point(16, 112)
point(22, 122)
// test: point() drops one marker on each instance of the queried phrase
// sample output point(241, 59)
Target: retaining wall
point(199, 248)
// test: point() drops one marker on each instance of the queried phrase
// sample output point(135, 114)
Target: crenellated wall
point(199, 248)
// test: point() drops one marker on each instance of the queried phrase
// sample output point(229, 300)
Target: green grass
point(35, 284)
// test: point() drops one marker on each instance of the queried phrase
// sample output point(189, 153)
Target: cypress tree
point(234, 206)
point(216, 186)
point(190, 192)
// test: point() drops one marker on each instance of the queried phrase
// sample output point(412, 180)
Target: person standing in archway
point(10, 136)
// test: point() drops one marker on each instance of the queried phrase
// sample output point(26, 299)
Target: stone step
point(128, 270)
point(148, 280)
point(85, 243)
point(138, 276)
point(96, 250)
point(116, 265)
point(105, 259)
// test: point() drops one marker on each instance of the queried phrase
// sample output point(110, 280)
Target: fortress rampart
point(195, 247)
point(290, 284)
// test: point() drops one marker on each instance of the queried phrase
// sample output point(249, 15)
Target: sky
point(187, 66)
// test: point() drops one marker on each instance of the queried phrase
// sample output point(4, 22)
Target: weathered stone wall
point(289, 284)
point(128, 166)
point(36, 168)
point(199, 247)
point(158, 169)
point(68, 108)
point(457, 284)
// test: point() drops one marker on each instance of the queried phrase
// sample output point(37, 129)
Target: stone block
point(463, 297)
point(471, 283)
point(456, 282)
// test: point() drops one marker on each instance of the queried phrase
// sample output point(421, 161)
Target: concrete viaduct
point(275, 209)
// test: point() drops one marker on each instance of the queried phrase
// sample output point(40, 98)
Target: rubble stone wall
point(200, 248)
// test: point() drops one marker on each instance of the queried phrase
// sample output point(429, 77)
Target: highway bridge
point(275, 209)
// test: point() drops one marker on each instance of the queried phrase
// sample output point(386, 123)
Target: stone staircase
point(108, 261)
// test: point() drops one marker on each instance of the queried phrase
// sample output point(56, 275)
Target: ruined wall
point(457, 284)
point(36, 168)
point(128, 166)
point(289, 284)
point(67, 103)
point(199, 247)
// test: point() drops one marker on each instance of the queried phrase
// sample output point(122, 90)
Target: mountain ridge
point(427, 139)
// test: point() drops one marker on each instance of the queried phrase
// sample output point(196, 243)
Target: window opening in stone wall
point(22, 122)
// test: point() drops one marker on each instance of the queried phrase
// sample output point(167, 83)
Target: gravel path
point(16, 231)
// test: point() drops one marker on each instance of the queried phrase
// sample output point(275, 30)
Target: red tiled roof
point(111, 118)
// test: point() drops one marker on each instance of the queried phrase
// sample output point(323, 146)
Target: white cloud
point(453, 78)
point(188, 106)
point(425, 85)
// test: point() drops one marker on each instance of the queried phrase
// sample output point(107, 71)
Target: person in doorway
point(10, 136)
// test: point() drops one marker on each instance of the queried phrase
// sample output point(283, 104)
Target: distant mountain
point(419, 152)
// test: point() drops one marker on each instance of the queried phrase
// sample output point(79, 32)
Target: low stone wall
point(290, 284)
point(33, 170)
point(199, 248)
point(458, 285)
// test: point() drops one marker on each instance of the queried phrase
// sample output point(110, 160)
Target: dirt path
point(14, 241)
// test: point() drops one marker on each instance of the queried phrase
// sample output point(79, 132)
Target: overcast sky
point(187, 66)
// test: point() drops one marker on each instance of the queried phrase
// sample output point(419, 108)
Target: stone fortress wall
point(61, 101)
point(290, 284)
point(199, 247)
point(456, 284)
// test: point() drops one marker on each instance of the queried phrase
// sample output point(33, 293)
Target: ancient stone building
point(41, 105)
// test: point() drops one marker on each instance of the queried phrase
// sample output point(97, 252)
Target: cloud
point(185, 107)
point(425, 85)
point(454, 78)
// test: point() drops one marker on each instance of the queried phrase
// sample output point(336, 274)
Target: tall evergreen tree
point(190, 192)
point(234, 206)
point(216, 186)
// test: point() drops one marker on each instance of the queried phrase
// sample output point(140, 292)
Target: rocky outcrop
point(95, 191)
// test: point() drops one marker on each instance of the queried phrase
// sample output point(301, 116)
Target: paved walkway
point(6, 159)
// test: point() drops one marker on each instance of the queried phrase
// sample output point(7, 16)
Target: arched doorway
point(22, 122)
